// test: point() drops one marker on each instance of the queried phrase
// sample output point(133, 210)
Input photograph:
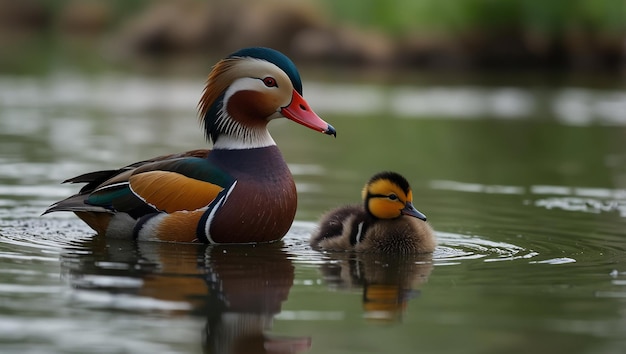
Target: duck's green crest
point(275, 57)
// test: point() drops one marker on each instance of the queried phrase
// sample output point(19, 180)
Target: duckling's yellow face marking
point(385, 199)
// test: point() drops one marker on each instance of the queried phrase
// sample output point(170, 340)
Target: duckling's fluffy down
point(403, 235)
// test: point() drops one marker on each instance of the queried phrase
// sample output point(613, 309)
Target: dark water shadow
point(238, 289)
point(388, 282)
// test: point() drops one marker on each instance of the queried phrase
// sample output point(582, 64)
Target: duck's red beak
point(300, 112)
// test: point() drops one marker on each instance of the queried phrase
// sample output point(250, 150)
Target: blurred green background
point(460, 35)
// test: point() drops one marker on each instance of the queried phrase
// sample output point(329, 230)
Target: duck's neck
point(231, 133)
point(262, 163)
point(244, 139)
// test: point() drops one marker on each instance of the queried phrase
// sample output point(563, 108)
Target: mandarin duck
point(241, 191)
point(386, 222)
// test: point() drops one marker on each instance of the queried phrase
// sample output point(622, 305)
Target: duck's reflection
point(239, 289)
point(388, 281)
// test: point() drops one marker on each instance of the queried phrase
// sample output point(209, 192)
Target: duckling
point(387, 222)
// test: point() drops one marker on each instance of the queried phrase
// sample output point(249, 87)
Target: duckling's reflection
point(239, 288)
point(388, 281)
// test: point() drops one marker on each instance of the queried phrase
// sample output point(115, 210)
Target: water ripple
point(453, 248)
point(55, 234)
point(43, 234)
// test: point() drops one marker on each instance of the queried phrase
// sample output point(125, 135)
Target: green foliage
point(551, 16)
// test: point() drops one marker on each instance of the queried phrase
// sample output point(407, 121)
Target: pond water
point(525, 185)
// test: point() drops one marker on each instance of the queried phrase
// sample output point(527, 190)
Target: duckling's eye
point(270, 82)
point(393, 197)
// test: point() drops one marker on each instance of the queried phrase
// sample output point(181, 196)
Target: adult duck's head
point(248, 89)
point(388, 195)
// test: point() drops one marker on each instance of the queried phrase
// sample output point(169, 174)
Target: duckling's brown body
point(387, 222)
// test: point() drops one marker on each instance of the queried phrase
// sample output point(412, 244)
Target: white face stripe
point(253, 71)
point(243, 84)
point(251, 84)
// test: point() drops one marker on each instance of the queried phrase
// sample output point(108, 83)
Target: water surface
point(525, 186)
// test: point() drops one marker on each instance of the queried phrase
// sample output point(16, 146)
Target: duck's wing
point(94, 179)
point(170, 183)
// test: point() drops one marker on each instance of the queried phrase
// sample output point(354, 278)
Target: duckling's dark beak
point(300, 112)
point(410, 210)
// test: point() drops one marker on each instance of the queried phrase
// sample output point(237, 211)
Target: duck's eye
point(270, 82)
point(393, 197)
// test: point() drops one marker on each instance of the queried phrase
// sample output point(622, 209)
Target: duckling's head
point(246, 90)
point(388, 195)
